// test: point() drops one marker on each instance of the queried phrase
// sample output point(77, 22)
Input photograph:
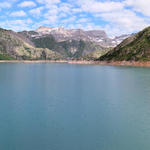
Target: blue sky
point(116, 17)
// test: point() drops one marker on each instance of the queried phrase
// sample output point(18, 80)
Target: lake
point(52, 106)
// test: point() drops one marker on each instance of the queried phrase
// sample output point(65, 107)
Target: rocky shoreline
point(108, 63)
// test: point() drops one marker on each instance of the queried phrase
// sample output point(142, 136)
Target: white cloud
point(94, 6)
point(53, 10)
point(18, 14)
point(50, 20)
point(76, 10)
point(83, 20)
point(27, 4)
point(86, 26)
point(17, 25)
point(68, 20)
point(66, 8)
point(124, 18)
point(62, 15)
point(5, 5)
point(48, 1)
point(142, 6)
point(37, 11)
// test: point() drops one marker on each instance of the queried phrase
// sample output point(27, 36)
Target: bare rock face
point(98, 36)
point(72, 43)
point(118, 39)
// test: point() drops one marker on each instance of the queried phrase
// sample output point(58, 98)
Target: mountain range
point(56, 43)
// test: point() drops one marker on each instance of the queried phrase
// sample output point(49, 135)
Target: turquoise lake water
point(74, 107)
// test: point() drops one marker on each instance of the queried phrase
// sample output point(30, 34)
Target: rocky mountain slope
point(61, 34)
point(72, 43)
point(118, 39)
point(55, 43)
point(134, 48)
point(16, 46)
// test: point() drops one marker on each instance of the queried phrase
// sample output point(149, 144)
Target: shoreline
point(84, 62)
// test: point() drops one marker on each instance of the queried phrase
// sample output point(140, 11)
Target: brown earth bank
point(108, 63)
point(115, 63)
point(33, 61)
point(125, 63)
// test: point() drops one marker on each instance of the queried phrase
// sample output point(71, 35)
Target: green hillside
point(13, 46)
point(134, 48)
point(72, 48)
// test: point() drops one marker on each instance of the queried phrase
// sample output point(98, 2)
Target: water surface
point(46, 106)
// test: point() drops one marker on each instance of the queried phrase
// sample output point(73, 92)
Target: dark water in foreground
point(74, 107)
